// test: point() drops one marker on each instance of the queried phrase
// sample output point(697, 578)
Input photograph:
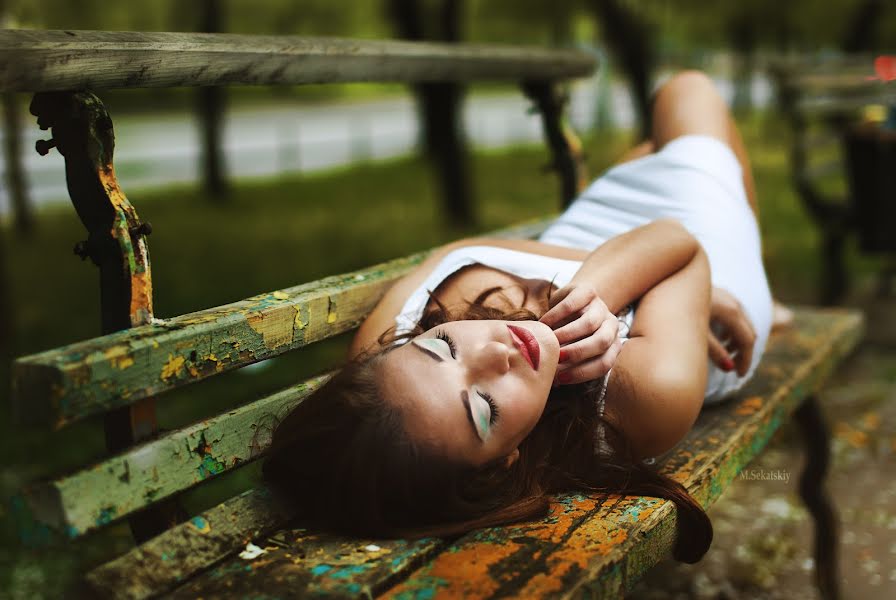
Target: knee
point(691, 84)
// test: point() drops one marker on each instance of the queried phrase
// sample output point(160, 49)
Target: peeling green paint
point(60, 386)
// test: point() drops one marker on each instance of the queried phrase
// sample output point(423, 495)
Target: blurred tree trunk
point(631, 42)
point(210, 108)
point(23, 217)
point(861, 33)
point(439, 106)
point(742, 33)
point(19, 202)
point(7, 312)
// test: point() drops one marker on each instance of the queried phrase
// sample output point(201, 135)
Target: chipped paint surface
point(176, 461)
point(60, 386)
point(580, 545)
point(580, 548)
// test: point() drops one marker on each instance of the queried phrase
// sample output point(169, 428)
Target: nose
point(491, 358)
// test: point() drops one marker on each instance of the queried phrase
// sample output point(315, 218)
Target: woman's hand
point(735, 349)
point(586, 330)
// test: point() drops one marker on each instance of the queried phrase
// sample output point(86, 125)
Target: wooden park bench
point(584, 547)
point(843, 170)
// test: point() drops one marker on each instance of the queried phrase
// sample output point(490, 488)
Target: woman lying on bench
point(502, 371)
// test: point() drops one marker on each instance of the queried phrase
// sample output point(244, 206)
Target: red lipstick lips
point(527, 344)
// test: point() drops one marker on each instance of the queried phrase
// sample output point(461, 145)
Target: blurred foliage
point(790, 25)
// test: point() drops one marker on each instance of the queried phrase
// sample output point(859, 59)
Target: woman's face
point(473, 389)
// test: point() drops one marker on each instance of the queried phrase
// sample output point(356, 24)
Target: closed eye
point(452, 347)
point(447, 339)
point(492, 405)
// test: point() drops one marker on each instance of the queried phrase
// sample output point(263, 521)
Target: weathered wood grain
point(137, 478)
point(73, 60)
point(63, 385)
point(584, 547)
point(159, 564)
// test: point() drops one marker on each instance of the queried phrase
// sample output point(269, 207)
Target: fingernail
point(563, 378)
point(727, 364)
point(564, 355)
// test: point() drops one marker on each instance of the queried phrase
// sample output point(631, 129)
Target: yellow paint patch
point(274, 325)
point(300, 325)
point(173, 368)
point(331, 317)
point(119, 357)
point(749, 405)
point(281, 296)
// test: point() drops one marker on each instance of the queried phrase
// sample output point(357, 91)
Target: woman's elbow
point(676, 414)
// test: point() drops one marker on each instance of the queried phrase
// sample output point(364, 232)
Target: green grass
point(278, 233)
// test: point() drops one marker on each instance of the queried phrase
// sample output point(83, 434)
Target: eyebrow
point(464, 396)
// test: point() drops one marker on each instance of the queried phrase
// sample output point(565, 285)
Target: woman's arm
point(382, 317)
point(658, 382)
point(625, 267)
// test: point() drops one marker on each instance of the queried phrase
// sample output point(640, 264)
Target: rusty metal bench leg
point(116, 243)
point(568, 158)
point(811, 485)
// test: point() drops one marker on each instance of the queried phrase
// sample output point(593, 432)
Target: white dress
point(694, 179)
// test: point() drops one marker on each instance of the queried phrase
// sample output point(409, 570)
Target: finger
point(717, 351)
point(591, 346)
point(572, 303)
point(590, 369)
point(744, 339)
point(588, 324)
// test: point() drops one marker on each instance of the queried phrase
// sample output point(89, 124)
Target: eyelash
point(493, 406)
point(447, 339)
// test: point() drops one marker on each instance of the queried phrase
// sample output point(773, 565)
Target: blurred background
point(255, 189)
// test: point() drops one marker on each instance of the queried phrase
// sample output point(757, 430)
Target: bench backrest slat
point(37, 61)
point(60, 386)
point(116, 487)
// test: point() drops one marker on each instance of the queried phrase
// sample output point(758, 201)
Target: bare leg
point(689, 103)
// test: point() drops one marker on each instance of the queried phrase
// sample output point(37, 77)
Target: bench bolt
point(44, 146)
point(81, 249)
point(144, 228)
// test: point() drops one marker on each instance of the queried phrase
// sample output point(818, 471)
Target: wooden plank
point(829, 103)
point(100, 494)
point(583, 546)
point(60, 386)
point(72, 60)
point(159, 564)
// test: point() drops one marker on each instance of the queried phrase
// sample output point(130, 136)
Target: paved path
point(156, 150)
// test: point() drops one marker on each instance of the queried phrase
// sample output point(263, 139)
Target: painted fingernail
point(727, 364)
point(563, 378)
point(564, 355)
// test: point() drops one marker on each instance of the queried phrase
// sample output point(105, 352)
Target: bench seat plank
point(583, 546)
point(60, 386)
point(38, 61)
point(174, 555)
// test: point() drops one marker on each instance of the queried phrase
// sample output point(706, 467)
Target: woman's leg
point(689, 103)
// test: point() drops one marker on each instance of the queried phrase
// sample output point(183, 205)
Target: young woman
point(502, 371)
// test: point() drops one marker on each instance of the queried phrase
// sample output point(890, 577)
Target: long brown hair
point(344, 458)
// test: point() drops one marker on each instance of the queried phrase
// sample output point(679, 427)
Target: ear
point(511, 458)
